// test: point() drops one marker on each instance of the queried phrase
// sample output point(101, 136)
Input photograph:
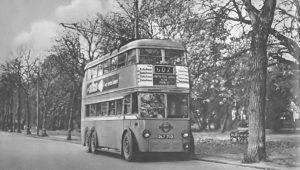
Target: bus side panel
point(109, 133)
point(124, 79)
point(127, 78)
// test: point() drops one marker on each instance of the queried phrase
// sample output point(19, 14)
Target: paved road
point(19, 152)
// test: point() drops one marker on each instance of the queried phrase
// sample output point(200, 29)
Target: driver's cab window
point(177, 106)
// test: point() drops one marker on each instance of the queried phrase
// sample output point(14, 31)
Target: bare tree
point(70, 62)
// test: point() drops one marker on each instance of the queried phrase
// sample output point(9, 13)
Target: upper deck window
point(107, 66)
point(150, 56)
point(114, 63)
point(94, 71)
point(122, 60)
point(100, 69)
point(175, 57)
point(131, 57)
point(88, 74)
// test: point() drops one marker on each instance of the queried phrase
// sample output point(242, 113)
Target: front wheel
point(128, 147)
point(192, 146)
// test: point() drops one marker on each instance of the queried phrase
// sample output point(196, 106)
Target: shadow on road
point(109, 154)
point(163, 157)
point(149, 157)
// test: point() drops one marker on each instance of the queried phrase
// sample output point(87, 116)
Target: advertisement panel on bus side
point(104, 84)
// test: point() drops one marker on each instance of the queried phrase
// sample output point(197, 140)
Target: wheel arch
point(135, 144)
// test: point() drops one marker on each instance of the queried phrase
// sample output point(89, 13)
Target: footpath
point(233, 158)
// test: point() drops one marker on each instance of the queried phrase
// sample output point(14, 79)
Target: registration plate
point(165, 136)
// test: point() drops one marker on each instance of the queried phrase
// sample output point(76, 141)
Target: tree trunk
point(197, 120)
point(3, 119)
point(28, 132)
point(70, 122)
point(19, 110)
point(256, 108)
point(261, 24)
point(7, 115)
point(204, 123)
point(10, 108)
point(44, 133)
point(224, 124)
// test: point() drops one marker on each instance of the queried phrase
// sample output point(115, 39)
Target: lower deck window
point(112, 108)
point(131, 104)
point(119, 106)
point(104, 108)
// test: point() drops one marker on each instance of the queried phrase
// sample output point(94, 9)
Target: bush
point(243, 123)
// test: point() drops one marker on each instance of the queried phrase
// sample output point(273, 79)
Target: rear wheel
point(87, 142)
point(94, 142)
point(128, 147)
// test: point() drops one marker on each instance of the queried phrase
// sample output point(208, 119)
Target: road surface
point(19, 152)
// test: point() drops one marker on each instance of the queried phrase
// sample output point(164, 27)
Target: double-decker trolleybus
point(136, 100)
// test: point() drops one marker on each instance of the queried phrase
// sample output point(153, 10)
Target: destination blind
point(149, 75)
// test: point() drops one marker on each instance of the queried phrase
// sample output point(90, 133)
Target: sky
point(35, 22)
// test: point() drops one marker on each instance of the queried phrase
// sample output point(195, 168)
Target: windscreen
point(152, 105)
point(177, 106)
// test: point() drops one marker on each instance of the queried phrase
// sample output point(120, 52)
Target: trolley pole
point(136, 18)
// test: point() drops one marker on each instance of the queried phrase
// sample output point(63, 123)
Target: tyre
point(128, 147)
point(87, 142)
point(94, 142)
point(192, 145)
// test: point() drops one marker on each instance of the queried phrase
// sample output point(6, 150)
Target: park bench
point(239, 135)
